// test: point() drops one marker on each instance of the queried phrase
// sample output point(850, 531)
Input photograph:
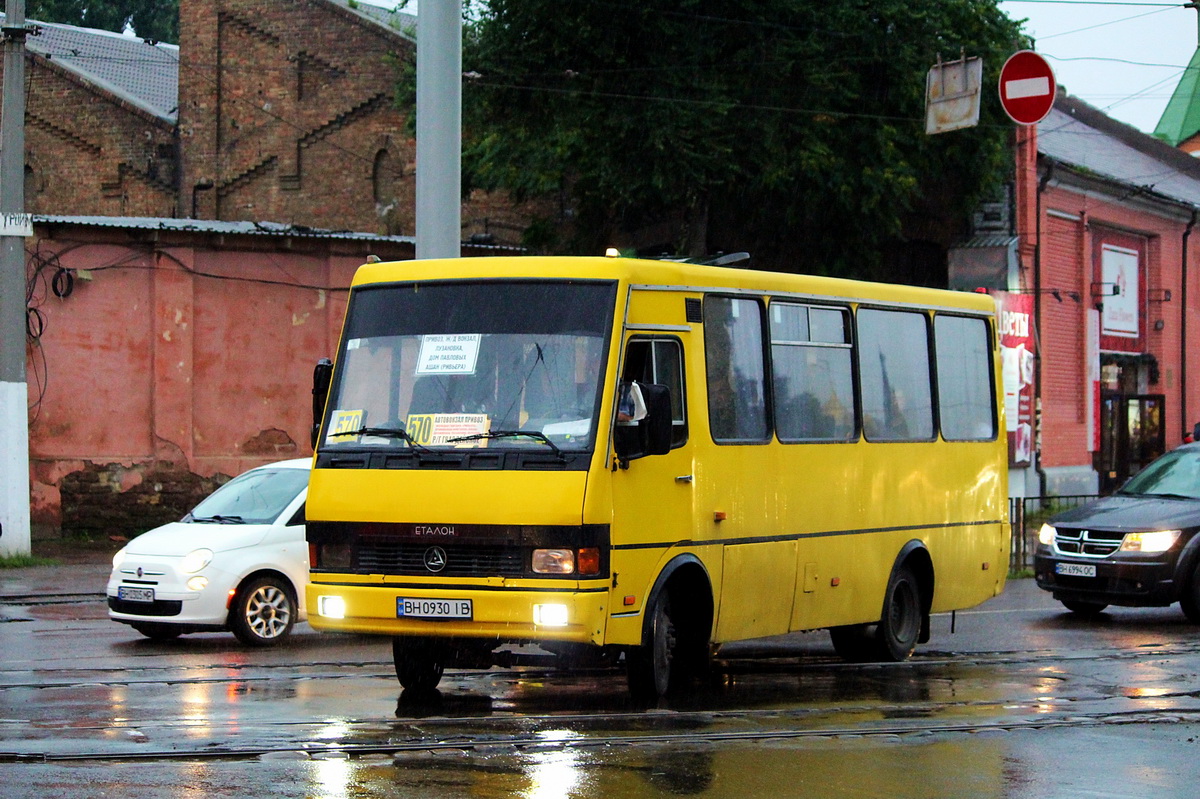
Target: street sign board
point(16, 225)
point(1027, 87)
point(952, 95)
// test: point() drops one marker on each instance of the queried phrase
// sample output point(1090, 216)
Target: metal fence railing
point(1026, 515)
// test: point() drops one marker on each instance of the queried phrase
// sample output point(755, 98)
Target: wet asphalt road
point(1023, 699)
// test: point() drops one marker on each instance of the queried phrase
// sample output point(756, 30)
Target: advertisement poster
point(1015, 312)
point(1119, 291)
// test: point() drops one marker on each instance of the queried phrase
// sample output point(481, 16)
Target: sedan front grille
point(1088, 543)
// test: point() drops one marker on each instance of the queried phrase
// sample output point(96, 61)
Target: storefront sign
point(1015, 314)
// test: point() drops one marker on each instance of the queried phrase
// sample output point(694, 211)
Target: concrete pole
point(14, 396)
point(439, 128)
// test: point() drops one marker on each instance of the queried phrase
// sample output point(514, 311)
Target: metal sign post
point(14, 395)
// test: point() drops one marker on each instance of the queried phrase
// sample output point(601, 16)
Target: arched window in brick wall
point(384, 179)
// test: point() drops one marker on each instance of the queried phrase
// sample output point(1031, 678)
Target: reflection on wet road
point(1022, 700)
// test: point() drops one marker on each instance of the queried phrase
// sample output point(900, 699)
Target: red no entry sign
point(1027, 87)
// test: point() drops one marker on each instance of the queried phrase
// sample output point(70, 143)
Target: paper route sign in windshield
point(452, 354)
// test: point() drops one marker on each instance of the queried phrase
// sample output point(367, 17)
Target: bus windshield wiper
point(219, 518)
point(534, 434)
point(392, 432)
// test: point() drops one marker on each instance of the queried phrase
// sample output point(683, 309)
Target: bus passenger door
point(652, 495)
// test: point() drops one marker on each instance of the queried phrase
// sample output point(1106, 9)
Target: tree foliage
point(790, 128)
point(149, 19)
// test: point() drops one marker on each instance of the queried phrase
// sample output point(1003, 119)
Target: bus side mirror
point(322, 376)
point(650, 435)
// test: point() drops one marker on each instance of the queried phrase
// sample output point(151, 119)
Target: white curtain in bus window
point(893, 363)
point(812, 374)
point(966, 400)
point(734, 361)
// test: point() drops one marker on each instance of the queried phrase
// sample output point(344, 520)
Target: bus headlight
point(554, 561)
point(1046, 534)
point(331, 607)
point(550, 615)
point(1158, 541)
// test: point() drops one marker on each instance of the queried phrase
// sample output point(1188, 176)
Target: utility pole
point(439, 129)
point(15, 225)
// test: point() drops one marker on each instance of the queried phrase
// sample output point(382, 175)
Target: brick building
point(268, 110)
point(1104, 264)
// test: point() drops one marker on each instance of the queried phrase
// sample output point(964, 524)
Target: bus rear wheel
point(419, 663)
point(900, 627)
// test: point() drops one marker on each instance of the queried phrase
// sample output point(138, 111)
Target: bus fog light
point(331, 607)
point(197, 583)
point(553, 561)
point(550, 615)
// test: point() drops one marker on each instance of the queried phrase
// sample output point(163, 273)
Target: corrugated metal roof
point(142, 73)
point(984, 240)
point(277, 229)
point(1080, 136)
point(214, 226)
point(395, 20)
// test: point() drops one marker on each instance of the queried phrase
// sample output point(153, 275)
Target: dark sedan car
point(1138, 547)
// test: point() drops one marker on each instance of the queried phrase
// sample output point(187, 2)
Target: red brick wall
point(172, 364)
point(88, 152)
point(1064, 422)
point(286, 107)
point(1067, 252)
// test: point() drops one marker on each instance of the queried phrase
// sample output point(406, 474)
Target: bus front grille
point(382, 557)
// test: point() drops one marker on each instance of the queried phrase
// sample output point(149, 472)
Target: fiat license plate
point(135, 594)
point(1075, 569)
point(433, 608)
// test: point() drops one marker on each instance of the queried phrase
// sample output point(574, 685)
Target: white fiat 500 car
point(237, 562)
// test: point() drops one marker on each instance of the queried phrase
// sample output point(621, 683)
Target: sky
point(1125, 58)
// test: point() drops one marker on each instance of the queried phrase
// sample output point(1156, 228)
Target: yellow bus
point(635, 461)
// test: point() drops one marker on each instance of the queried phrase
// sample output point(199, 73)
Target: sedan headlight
point(1157, 541)
point(195, 560)
point(1046, 534)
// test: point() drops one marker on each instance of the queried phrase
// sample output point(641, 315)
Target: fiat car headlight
point(119, 558)
point(1157, 541)
point(195, 560)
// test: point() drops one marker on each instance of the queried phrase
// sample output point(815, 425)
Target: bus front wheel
point(649, 667)
point(419, 663)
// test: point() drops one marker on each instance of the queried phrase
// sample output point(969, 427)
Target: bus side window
point(736, 367)
point(893, 365)
point(813, 373)
point(966, 397)
point(660, 362)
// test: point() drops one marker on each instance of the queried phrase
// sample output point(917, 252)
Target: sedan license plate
point(135, 594)
point(1075, 569)
point(433, 608)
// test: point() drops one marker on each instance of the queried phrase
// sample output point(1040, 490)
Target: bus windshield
point(468, 365)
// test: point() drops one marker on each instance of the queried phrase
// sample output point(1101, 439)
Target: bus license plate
point(433, 608)
point(1075, 569)
point(135, 594)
